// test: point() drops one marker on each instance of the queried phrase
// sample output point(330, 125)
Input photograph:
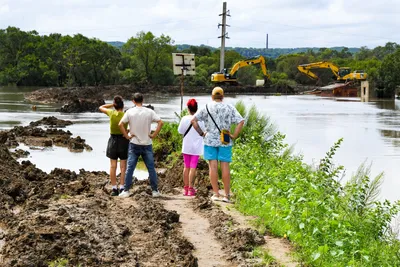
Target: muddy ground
point(66, 215)
point(38, 137)
point(71, 95)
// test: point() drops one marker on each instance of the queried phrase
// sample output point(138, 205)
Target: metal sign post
point(183, 64)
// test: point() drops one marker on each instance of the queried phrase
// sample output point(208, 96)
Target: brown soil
point(38, 137)
point(279, 248)
point(68, 215)
point(196, 229)
point(67, 94)
point(51, 122)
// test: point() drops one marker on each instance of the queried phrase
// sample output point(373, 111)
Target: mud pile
point(68, 216)
point(66, 94)
point(78, 105)
point(38, 137)
point(51, 122)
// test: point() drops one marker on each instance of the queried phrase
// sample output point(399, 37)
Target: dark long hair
point(118, 102)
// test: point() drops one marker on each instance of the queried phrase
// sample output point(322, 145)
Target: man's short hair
point(138, 98)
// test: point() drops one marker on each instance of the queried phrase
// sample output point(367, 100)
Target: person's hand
point(128, 136)
point(152, 135)
point(232, 136)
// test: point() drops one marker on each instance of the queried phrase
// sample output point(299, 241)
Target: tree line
point(30, 59)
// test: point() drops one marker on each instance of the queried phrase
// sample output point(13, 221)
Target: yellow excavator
point(230, 77)
point(343, 74)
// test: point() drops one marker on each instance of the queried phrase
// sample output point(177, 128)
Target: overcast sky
point(289, 23)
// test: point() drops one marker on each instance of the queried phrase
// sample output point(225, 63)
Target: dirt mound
point(39, 137)
point(20, 153)
point(66, 94)
point(95, 231)
point(51, 122)
point(69, 217)
point(82, 105)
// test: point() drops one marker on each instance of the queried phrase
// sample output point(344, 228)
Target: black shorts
point(117, 147)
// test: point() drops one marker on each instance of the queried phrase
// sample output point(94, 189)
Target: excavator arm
point(230, 77)
point(307, 69)
point(247, 62)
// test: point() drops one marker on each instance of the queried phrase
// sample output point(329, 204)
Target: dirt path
point(209, 250)
point(196, 229)
point(278, 248)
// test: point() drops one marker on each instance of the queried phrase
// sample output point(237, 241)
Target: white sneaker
point(227, 200)
point(124, 194)
point(156, 194)
point(215, 198)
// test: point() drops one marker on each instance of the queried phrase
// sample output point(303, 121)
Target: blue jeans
point(134, 152)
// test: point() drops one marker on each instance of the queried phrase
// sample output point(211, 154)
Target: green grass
point(59, 263)
point(265, 258)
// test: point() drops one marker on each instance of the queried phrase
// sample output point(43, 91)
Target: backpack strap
point(188, 129)
point(212, 119)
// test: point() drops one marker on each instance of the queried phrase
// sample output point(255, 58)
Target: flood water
point(371, 131)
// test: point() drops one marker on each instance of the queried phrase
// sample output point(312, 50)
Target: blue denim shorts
point(220, 153)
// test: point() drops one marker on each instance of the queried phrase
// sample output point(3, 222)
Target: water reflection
point(389, 104)
point(389, 121)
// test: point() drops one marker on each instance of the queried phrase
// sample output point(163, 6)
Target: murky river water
point(371, 131)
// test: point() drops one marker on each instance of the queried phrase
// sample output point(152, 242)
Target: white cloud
point(289, 23)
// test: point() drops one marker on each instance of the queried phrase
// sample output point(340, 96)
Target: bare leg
point(192, 174)
point(186, 176)
point(122, 166)
point(213, 167)
point(113, 171)
point(226, 177)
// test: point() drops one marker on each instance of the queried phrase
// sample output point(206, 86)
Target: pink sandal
point(186, 190)
point(191, 191)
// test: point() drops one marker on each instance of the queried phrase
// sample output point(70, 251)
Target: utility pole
point(224, 35)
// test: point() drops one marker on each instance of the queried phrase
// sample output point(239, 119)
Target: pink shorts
point(190, 161)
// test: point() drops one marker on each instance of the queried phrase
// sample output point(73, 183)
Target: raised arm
point(105, 107)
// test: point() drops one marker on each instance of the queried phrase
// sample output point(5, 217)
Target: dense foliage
point(26, 58)
point(249, 52)
point(330, 222)
point(29, 59)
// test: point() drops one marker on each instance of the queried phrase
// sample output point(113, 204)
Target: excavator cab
point(344, 71)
